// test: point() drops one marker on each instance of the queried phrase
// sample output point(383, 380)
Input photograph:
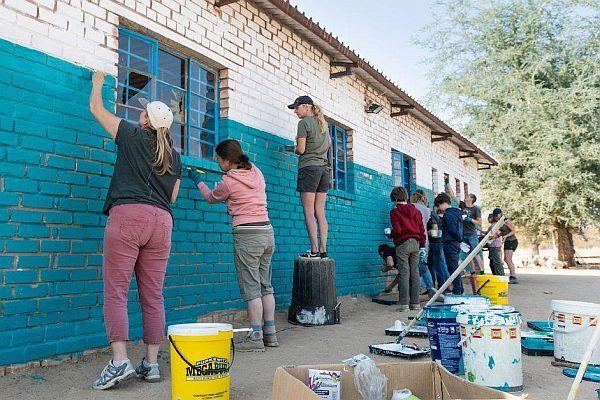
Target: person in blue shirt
point(452, 234)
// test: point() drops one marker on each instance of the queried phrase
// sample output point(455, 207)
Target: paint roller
point(454, 275)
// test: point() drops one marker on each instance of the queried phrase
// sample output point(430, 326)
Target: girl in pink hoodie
point(243, 190)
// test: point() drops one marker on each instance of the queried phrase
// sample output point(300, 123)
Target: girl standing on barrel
point(312, 144)
point(243, 190)
point(137, 237)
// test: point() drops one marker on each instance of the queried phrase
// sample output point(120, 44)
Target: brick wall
point(265, 63)
point(55, 166)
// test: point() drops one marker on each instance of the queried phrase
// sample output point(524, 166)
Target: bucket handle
point(192, 365)
point(481, 287)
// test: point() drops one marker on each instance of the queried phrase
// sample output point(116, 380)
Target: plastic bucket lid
point(493, 316)
point(576, 307)
point(199, 329)
point(465, 308)
point(439, 311)
point(465, 299)
point(493, 278)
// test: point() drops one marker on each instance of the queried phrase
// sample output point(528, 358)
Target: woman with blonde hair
point(421, 203)
point(137, 237)
point(312, 144)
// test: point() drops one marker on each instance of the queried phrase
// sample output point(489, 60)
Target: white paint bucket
point(491, 346)
point(470, 299)
point(573, 323)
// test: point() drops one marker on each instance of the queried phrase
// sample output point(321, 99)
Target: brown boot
point(252, 343)
point(270, 336)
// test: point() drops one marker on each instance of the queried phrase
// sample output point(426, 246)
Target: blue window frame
point(403, 171)
point(339, 157)
point(191, 89)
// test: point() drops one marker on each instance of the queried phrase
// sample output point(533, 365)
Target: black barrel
point(314, 300)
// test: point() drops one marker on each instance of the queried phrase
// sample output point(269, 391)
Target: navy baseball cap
point(497, 212)
point(301, 100)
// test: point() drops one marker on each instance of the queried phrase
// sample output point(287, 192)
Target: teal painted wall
point(55, 168)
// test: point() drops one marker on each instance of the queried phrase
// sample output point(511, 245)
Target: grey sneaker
point(252, 343)
point(403, 308)
point(148, 372)
point(270, 337)
point(114, 374)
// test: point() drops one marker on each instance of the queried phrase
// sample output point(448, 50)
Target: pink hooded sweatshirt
point(243, 190)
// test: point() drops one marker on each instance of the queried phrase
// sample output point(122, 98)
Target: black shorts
point(511, 245)
point(313, 179)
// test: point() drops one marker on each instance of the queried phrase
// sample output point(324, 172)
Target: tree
point(522, 78)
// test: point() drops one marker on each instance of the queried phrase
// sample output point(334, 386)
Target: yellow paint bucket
point(201, 357)
point(494, 287)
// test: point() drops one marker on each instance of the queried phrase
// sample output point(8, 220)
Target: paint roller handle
point(455, 274)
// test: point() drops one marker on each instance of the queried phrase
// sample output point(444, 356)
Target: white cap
point(159, 113)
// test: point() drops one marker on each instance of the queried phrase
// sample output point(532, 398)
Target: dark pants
point(496, 263)
point(437, 261)
point(451, 252)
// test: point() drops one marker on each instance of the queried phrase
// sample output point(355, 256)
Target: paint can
point(444, 336)
point(467, 299)
point(573, 324)
point(491, 347)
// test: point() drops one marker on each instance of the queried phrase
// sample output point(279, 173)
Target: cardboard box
point(427, 380)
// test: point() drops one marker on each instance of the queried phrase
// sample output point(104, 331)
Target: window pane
point(174, 98)
point(202, 135)
point(171, 69)
point(200, 74)
point(141, 50)
point(208, 151)
point(122, 57)
point(177, 134)
point(133, 115)
point(123, 41)
point(202, 105)
point(203, 89)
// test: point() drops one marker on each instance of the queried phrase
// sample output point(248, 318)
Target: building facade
point(227, 70)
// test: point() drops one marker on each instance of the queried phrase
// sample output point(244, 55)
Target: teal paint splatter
point(491, 363)
point(516, 361)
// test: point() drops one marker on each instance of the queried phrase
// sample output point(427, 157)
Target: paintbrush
point(454, 275)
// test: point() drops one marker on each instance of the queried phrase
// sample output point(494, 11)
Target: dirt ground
point(363, 323)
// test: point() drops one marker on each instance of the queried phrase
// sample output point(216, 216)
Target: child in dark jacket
point(409, 237)
point(452, 233)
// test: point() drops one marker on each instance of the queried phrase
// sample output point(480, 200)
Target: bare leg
point(320, 200)
point(508, 258)
point(119, 350)
point(308, 205)
point(255, 312)
point(152, 353)
point(268, 305)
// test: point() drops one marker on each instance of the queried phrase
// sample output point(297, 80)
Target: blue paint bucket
point(444, 336)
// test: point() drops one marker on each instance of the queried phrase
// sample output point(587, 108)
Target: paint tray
point(591, 374)
point(399, 350)
point(543, 326)
point(532, 346)
point(398, 327)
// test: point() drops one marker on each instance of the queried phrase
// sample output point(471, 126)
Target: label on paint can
point(325, 384)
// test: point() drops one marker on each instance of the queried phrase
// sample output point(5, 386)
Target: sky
point(381, 34)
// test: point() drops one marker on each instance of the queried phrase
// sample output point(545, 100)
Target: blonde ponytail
point(323, 126)
point(164, 152)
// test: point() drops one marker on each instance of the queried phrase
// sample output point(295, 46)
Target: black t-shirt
point(390, 252)
point(135, 180)
point(434, 220)
point(470, 228)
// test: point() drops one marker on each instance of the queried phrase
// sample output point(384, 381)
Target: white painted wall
point(267, 67)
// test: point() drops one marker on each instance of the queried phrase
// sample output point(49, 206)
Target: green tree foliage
point(522, 78)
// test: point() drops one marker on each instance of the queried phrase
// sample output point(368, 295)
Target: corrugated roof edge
point(321, 33)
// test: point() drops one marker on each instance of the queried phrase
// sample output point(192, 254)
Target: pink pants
point(137, 239)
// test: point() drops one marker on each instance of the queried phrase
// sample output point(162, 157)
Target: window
point(338, 159)
point(403, 171)
point(434, 181)
point(457, 181)
point(466, 187)
point(149, 70)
